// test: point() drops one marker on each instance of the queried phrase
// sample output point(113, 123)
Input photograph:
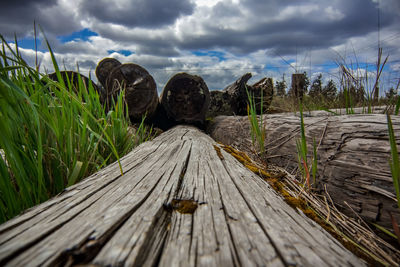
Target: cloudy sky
point(219, 40)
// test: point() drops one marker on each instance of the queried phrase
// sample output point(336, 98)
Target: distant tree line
point(329, 94)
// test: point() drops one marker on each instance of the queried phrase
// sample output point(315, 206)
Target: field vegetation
point(53, 133)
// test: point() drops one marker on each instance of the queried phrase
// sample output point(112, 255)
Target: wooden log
point(298, 85)
point(180, 202)
point(233, 100)
point(185, 99)
point(263, 92)
point(353, 156)
point(104, 68)
point(140, 89)
point(72, 77)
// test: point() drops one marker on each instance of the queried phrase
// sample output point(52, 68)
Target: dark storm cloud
point(325, 24)
point(18, 17)
point(138, 13)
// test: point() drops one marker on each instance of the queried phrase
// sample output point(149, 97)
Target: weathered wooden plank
point(353, 155)
point(178, 203)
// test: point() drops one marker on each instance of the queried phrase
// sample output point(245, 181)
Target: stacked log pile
point(184, 99)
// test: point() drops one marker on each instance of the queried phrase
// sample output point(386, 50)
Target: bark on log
point(353, 156)
point(179, 203)
point(104, 68)
point(72, 77)
point(140, 89)
point(233, 100)
point(185, 99)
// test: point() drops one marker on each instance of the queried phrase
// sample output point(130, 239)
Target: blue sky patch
point(82, 35)
point(29, 43)
point(211, 53)
point(122, 52)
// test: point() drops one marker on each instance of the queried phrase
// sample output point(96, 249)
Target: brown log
point(185, 99)
point(353, 156)
point(104, 68)
point(182, 201)
point(233, 100)
point(140, 89)
point(73, 78)
point(298, 85)
point(262, 90)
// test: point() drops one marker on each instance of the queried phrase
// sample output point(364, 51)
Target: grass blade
point(394, 163)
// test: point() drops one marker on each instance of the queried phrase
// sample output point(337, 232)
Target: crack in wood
point(89, 250)
point(271, 240)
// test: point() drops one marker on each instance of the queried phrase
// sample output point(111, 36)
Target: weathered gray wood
point(353, 156)
point(139, 218)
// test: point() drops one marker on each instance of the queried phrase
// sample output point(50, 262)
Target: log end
point(104, 68)
point(186, 98)
point(140, 89)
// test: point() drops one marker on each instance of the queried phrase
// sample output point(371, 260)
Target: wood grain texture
point(353, 156)
point(141, 218)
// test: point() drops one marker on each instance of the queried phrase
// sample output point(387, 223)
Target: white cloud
point(333, 13)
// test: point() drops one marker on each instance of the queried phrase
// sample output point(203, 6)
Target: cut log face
point(181, 202)
point(140, 89)
point(353, 156)
point(104, 68)
point(186, 98)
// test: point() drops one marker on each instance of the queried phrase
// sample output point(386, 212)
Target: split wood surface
point(353, 153)
point(180, 202)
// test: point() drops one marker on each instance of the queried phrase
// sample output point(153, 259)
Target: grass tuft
point(257, 124)
point(52, 133)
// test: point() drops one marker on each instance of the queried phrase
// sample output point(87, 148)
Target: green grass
point(302, 153)
point(257, 124)
point(51, 134)
point(394, 161)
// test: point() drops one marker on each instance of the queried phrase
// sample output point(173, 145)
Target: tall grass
point(257, 124)
point(52, 133)
point(302, 153)
point(394, 162)
point(356, 84)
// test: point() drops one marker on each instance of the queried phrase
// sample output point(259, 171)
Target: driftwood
point(182, 201)
point(185, 99)
point(233, 100)
point(353, 156)
point(140, 89)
